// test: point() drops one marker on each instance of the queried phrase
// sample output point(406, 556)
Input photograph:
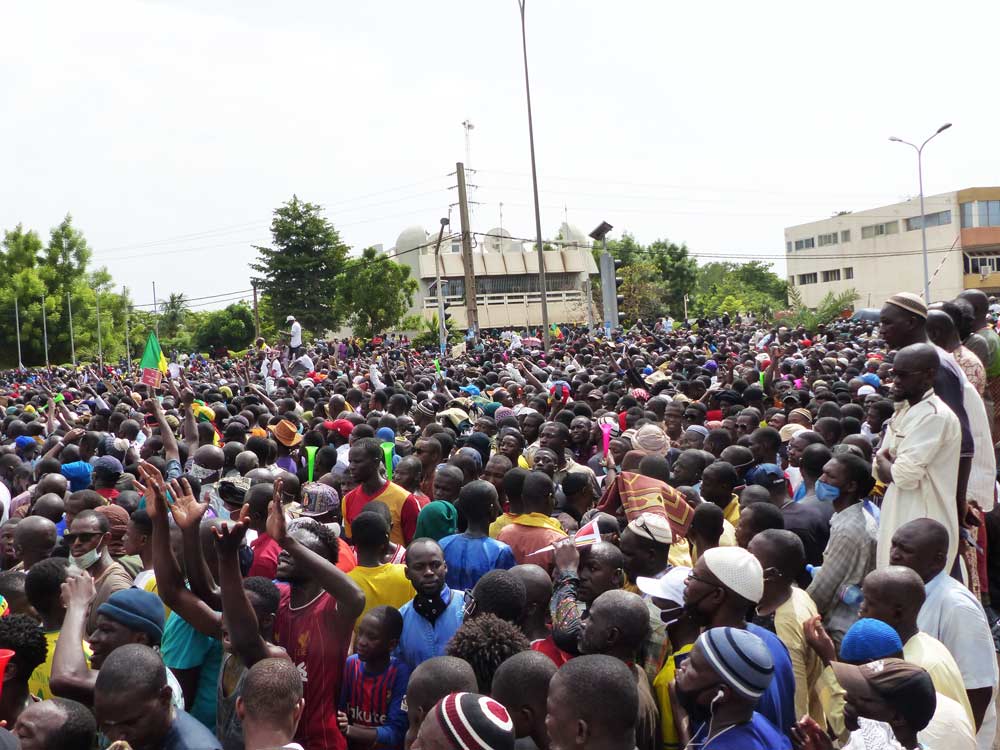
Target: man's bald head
point(537, 583)
point(54, 483)
point(898, 588)
point(979, 301)
point(917, 357)
point(941, 329)
point(922, 545)
point(210, 457)
point(34, 538)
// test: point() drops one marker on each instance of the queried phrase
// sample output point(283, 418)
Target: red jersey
point(316, 642)
point(265, 556)
point(548, 647)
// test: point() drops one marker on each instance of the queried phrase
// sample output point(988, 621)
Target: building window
point(989, 213)
point(807, 243)
point(788, 247)
point(877, 230)
point(967, 209)
point(828, 239)
point(982, 264)
point(807, 278)
point(833, 275)
point(937, 219)
point(849, 273)
point(845, 235)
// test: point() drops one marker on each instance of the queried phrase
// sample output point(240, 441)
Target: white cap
point(653, 527)
point(737, 570)
point(866, 390)
point(290, 318)
point(669, 586)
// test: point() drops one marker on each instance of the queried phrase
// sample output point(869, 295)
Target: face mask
point(87, 559)
point(826, 493)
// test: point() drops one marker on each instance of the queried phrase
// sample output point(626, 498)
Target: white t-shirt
point(296, 333)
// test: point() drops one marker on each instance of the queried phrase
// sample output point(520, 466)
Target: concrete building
point(878, 252)
point(506, 271)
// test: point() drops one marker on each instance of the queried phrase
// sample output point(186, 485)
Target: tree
point(231, 328)
point(376, 293)
point(677, 270)
point(643, 293)
point(172, 315)
point(302, 271)
point(828, 310)
point(428, 335)
point(754, 286)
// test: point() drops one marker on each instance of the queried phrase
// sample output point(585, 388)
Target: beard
point(697, 714)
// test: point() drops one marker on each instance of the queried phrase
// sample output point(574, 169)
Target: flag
point(586, 535)
point(152, 355)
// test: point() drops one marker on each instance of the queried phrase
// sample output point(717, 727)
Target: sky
point(171, 129)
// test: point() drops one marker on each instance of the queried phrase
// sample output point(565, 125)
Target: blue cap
point(869, 639)
point(740, 658)
point(78, 474)
point(109, 464)
point(870, 378)
point(766, 475)
point(470, 389)
point(385, 434)
point(23, 441)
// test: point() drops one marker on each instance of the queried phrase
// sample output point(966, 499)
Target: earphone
point(718, 696)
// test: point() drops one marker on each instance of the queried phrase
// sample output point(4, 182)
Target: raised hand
point(229, 538)
point(277, 528)
point(819, 640)
point(78, 591)
point(185, 509)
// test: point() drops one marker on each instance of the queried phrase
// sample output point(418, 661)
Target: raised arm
point(188, 514)
point(241, 621)
point(71, 677)
point(170, 450)
point(350, 598)
point(169, 581)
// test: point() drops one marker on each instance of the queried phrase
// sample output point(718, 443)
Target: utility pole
point(442, 325)
point(72, 343)
point(128, 344)
point(471, 311)
point(588, 300)
point(17, 329)
point(256, 313)
point(45, 334)
point(543, 287)
point(100, 347)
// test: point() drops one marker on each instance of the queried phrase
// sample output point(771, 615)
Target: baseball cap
point(790, 430)
point(904, 686)
point(766, 475)
point(290, 318)
point(737, 570)
point(318, 499)
point(669, 586)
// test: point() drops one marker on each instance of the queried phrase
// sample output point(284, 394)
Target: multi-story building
point(506, 272)
point(878, 252)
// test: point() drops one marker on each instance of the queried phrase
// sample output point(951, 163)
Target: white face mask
point(87, 559)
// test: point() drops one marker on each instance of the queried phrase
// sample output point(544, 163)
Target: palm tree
point(172, 314)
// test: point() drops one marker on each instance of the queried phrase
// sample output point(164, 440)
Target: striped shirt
point(375, 700)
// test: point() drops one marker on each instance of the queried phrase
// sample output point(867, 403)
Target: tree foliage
point(302, 271)
point(670, 273)
point(376, 293)
point(231, 328)
point(747, 287)
point(829, 309)
point(56, 271)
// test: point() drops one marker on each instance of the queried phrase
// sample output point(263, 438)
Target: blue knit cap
point(740, 658)
point(869, 639)
point(137, 610)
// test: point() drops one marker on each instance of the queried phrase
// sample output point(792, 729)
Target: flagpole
point(128, 346)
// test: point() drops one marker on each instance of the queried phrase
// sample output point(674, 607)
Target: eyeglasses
point(83, 536)
point(469, 604)
point(693, 577)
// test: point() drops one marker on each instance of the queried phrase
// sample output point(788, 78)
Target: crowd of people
point(726, 535)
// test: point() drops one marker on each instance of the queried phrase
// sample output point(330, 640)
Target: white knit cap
point(737, 570)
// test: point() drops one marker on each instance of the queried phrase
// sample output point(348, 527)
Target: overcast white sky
point(171, 129)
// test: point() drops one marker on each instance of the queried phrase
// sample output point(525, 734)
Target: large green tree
point(302, 270)
point(750, 287)
point(376, 293)
point(58, 273)
point(231, 328)
point(669, 266)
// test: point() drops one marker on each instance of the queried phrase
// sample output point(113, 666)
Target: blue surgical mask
point(826, 493)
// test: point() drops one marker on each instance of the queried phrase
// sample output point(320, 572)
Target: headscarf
point(118, 519)
point(437, 520)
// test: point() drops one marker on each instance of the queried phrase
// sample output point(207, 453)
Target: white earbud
point(718, 696)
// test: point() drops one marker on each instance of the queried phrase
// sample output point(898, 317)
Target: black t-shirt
point(809, 520)
point(187, 733)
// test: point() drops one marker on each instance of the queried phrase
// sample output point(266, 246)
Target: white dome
point(410, 238)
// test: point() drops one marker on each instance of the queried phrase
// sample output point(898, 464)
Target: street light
point(534, 187)
point(923, 216)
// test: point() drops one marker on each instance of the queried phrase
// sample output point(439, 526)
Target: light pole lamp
point(923, 216)
point(546, 336)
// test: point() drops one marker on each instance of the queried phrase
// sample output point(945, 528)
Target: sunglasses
point(83, 536)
